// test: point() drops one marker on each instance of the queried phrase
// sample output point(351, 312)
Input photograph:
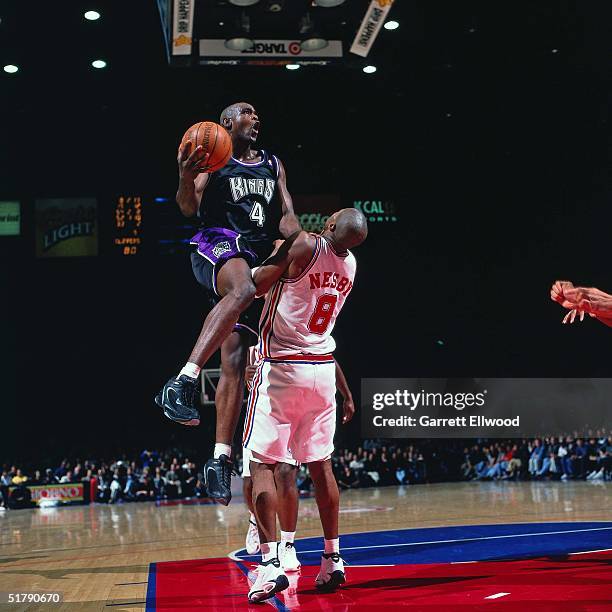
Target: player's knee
point(285, 476)
point(244, 295)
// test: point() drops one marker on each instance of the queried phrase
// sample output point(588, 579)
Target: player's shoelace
point(187, 394)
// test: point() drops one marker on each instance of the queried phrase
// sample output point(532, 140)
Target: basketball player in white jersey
point(285, 479)
point(291, 409)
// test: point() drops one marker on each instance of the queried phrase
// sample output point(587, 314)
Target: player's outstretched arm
point(192, 178)
point(348, 406)
point(290, 259)
point(289, 223)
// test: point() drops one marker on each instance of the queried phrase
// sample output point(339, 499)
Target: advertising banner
point(182, 27)
point(370, 26)
point(66, 227)
point(10, 219)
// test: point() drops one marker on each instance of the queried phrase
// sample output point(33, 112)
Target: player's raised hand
point(348, 410)
point(191, 163)
point(563, 292)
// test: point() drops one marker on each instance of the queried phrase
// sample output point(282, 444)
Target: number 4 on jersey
point(257, 214)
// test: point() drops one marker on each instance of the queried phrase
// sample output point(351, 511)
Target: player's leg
point(232, 283)
point(252, 537)
point(331, 574)
point(235, 286)
point(270, 576)
point(228, 403)
point(288, 501)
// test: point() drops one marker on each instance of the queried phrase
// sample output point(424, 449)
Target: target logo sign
point(294, 48)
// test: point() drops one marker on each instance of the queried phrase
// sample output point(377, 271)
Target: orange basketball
point(214, 140)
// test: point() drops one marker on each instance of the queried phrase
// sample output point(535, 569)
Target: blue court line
point(275, 601)
point(151, 588)
point(461, 543)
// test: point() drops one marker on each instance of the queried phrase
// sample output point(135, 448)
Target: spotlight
point(391, 25)
point(313, 41)
point(11, 69)
point(275, 6)
point(241, 41)
point(292, 66)
point(329, 3)
point(92, 15)
point(243, 2)
point(369, 69)
point(98, 64)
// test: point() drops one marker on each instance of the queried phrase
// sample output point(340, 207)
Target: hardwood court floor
point(99, 555)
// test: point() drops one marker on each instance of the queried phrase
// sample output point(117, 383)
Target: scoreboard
point(128, 225)
point(144, 224)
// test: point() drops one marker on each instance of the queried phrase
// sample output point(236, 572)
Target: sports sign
point(370, 26)
point(214, 51)
point(182, 27)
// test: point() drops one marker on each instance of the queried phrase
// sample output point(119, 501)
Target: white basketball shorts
point(291, 412)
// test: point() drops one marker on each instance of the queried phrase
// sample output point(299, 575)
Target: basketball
point(214, 140)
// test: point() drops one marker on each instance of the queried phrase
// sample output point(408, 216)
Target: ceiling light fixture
point(11, 69)
point(92, 15)
point(243, 2)
point(312, 41)
point(241, 41)
point(329, 3)
point(98, 64)
point(369, 69)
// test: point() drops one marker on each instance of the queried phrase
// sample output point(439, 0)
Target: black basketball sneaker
point(218, 479)
point(177, 398)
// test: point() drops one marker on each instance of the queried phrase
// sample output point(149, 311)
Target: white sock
point(269, 550)
point(222, 449)
point(332, 546)
point(191, 369)
point(252, 518)
point(287, 536)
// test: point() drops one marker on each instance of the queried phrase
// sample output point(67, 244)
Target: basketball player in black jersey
point(243, 206)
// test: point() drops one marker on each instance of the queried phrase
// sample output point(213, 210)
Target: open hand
point(191, 163)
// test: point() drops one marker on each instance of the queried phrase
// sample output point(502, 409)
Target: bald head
point(230, 113)
point(348, 227)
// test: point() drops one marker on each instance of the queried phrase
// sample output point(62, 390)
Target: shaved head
point(231, 111)
point(349, 228)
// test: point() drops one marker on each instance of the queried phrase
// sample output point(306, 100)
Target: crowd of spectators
point(563, 458)
point(168, 475)
point(153, 476)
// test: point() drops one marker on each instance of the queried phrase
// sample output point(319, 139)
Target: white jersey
point(300, 313)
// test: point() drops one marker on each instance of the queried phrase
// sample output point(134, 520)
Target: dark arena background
point(479, 150)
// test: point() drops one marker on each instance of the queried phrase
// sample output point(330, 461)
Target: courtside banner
point(182, 27)
point(484, 407)
point(57, 494)
point(370, 26)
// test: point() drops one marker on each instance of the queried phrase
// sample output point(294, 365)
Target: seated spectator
point(348, 480)
point(50, 477)
point(159, 484)
point(19, 478)
point(536, 457)
point(67, 478)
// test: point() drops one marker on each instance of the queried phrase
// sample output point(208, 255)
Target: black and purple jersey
point(241, 197)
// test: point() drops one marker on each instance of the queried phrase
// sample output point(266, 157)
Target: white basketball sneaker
point(252, 538)
point(331, 575)
point(288, 558)
point(270, 580)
